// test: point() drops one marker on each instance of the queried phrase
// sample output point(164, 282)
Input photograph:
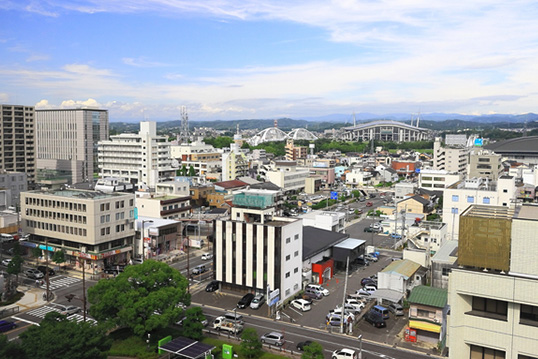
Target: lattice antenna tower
point(184, 134)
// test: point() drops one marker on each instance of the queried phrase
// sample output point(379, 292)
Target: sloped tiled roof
point(433, 297)
point(231, 184)
point(405, 268)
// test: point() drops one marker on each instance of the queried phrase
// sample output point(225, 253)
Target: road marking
point(59, 282)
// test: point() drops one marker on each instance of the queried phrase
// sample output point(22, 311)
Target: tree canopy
point(143, 298)
point(192, 324)
point(58, 337)
point(251, 346)
point(313, 351)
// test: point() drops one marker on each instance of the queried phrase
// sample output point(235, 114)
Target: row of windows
point(119, 228)
point(80, 207)
point(57, 228)
point(60, 216)
point(439, 179)
point(497, 309)
point(296, 270)
point(470, 199)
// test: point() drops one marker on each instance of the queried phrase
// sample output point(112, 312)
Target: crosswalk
point(59, 282)
point(44, 310)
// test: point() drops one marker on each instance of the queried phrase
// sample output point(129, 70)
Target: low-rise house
point(427, 313)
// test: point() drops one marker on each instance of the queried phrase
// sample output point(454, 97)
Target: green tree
point(313, 351)
point(192, 172)
point(143, 298)
point(58, 337)
point(36, 252)
point(183, 170)
point(10, 349)
point(251, 346)
point(58, 257)
point(192, 324)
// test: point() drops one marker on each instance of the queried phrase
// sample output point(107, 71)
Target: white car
point(6, 261)
point(375, 225)
point(371, 258)
point(320, 289)
point(207, 256)
point(66, 309)
point(301, 304)
point(344, 354)
point(355, 303)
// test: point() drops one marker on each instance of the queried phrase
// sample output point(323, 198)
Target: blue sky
point(269, 59)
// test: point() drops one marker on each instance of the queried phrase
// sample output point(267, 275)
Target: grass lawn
point(12, 300)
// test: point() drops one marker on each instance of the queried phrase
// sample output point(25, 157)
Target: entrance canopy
point(187, 348)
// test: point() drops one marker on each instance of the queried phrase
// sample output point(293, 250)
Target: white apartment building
point(254, 256)
point(204, 158)
point(142, 159)
point(17, 146)
point(461, 195)
point(330, 221)
point(288, 176)
point(163, 206)
point(66, 143)
point(403, 190)
point(437, 180)
point(93, 227)
point(11, 185)
point(358, 177)
point(234, 163)
point(450, 158)
point(494, 311)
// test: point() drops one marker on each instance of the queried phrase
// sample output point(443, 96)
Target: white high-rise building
point(67, 142)
point(142, 159)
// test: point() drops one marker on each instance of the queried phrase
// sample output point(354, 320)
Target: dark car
point(361, 261)
point(44, 269)
point(212, 286)
point(375, 319)
point(301, 345)
point(245, 301)
point(368, 280)
point(6, 325)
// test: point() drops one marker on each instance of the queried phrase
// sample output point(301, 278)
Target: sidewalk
point(33, 298)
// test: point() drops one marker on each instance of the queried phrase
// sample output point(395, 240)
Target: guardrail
point(9, 312)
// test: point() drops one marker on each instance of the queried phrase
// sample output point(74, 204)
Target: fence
point(8, 312)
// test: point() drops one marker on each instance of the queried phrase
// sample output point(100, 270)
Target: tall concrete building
point(67, 143)
point(142, 159)
point(17, 140)
point(450, 158)
point(492, 292)
point(484, 163)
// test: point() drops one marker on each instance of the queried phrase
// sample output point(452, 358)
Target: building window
point(485, 200)
point(288, 257)
point(446, 271)
point(528, 315)
point(296, 270)
point(287, 292)
point(288, 240)
point(505, 191)
point(288, 274)
point(296, 254)
point(455, 198)
point(470, 199)
point(485, 353)
point(296, 237)
point(490, 308)
point(521, 356)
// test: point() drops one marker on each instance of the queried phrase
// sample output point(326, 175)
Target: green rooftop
point(433, 297)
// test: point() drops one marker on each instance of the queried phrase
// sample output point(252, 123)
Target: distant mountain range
point(433, 121)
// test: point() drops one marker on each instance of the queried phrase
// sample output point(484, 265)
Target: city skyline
point(269, 59)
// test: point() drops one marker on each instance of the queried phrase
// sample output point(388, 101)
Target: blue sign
point(334, 195)
point(417, 170)
point(275, 300)
point(478, 141)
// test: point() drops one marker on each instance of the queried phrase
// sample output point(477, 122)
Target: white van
point(4, 237)
point(301, 304)
point(319, 288)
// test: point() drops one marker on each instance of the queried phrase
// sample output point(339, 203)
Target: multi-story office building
point(11, 185)
point(67, 143)
point(288, 176)
point(203, 158)
point(485, 164)
point(461, 195)
point(255, 250)
point(164, 206)
point(87, 225)
point(234, 163)
point(142, 159)
point(492, 292)
point(293, 152)
point(450, 158)
point(436, 180)
point(17, 141)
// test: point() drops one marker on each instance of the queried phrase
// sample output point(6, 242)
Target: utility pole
point(47, 270)
point(342, 315)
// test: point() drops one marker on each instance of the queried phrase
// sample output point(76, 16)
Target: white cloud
point(142, 62)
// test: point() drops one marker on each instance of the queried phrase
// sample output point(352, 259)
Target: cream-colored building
point(204, 158)
point(66, 143)
point(494, 305)
point(485, 163)
point(450, 158)
point(90, 226)
point(288, 176)
point(163, 206)
point(17, 147)
point(142, 159)
point(437, 180)
point(234, 163)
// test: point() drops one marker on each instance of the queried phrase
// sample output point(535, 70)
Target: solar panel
point(187, 347)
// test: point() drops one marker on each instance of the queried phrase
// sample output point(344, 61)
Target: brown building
point(200, 194)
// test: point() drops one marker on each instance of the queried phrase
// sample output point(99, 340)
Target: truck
point(231, 326)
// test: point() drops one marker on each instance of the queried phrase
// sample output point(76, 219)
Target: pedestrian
point(37, 283)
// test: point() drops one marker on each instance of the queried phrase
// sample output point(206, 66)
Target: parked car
point(396, 235)
point(301, 345)
point(258, 301)
point(301, 304)
point(245, 301)
point(375, 319)
point(359, 306)
point(5, 262)
point(207, 256)
point(45, 269)
point(349, 309)
point(362, 261)
point(363, 292)
point(273, 338)
point(199, 269)
point(370, 230)
point(180, 322)
point(6, 325)
point(344, 354)
point(370, 257)
point(212, 286)
point(33, 273)
point(137, 260)
point(396, 309)
point(367, 280)
point(319, 288)
point(312, 295)
point(375, 225)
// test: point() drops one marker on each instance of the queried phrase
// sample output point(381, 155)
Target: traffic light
point(69, 297)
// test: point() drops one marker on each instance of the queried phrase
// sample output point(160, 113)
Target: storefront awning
point(429, 327)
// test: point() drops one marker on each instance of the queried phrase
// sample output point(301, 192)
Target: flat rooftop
point(77, 193)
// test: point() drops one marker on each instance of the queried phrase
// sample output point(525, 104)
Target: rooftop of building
point(316, 240)
point(521, 144)
point(405, 268)
point(77, 193)
point(231, 184)
point(448, 253)
point(527, 211)
point(430, 296)
point(498, 212)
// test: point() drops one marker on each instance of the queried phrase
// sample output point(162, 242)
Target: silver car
point(273, 338)
point(258, 301)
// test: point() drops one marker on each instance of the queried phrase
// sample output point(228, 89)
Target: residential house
point(427, 313)
point(397, 280)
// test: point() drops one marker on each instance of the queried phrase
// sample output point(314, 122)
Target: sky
point(253, 59)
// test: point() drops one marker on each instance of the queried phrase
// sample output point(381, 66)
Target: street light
point(142, 235)
point(360, 346)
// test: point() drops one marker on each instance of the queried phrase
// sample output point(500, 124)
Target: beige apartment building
point(17, 140)
point(91, 227)
point(493, 292)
